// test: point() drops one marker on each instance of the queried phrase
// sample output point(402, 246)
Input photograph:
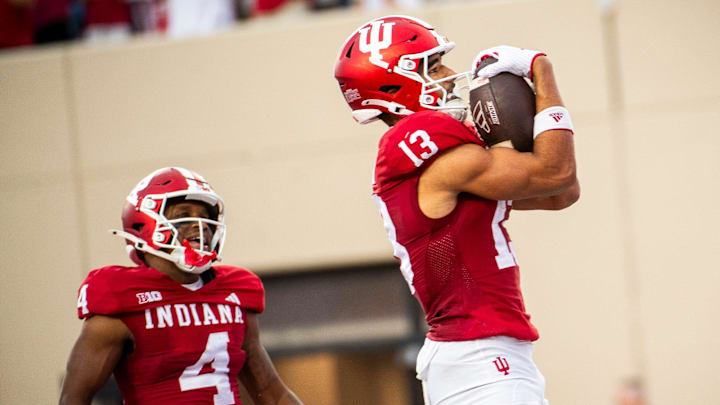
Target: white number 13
point(426, 143)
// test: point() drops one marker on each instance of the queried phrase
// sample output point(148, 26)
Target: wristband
point(552, 118)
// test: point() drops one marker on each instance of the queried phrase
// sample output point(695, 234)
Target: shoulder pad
point(412, 144)
point(245, 284)
point(97, 294)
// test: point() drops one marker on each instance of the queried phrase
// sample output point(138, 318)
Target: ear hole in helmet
point(138, 227)
point(390, 89)
point(214, 213)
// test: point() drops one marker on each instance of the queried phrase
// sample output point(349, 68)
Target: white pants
point(491, 371)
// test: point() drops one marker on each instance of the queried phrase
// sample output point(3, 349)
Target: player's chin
point(456, 108)
point(456, 102)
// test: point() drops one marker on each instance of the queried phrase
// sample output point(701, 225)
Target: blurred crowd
point(28, 22)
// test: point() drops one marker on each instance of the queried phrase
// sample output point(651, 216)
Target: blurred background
point(96, 94)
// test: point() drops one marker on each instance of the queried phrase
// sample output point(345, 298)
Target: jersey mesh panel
point(444, 264)
point(441, 259)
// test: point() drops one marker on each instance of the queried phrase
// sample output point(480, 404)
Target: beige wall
point(329, 379)
point(621, 284)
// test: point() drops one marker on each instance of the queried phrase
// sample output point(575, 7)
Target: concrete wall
point(621, 284)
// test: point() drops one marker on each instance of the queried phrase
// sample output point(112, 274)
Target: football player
point(444, 196)
point(176, 328)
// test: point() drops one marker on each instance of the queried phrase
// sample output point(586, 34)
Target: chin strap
point(394, 108)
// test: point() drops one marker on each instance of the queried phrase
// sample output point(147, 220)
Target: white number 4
point(215, 351)
point(82, 299)
point(431, 147)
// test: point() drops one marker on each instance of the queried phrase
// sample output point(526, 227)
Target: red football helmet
point(383, 68)
point(146, 229)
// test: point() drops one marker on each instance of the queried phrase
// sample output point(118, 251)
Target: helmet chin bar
point(455, 103)
point(177, 256)
point(367, 115)
point(456, 108)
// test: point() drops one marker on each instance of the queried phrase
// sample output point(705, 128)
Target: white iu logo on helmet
point(373, 44)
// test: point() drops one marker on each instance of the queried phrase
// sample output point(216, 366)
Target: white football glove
point(517, 61)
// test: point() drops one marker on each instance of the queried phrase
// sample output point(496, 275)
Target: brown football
point(503, 108)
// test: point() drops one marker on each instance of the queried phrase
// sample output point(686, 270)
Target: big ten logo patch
point(352, 95)
point(149, 296)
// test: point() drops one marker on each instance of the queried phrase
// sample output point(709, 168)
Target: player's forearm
point(552, 203)
point(547, 93)
point(555, 148)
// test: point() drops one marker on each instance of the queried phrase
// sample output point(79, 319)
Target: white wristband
point(552, 118)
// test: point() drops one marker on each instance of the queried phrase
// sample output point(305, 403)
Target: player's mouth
point(195, 243)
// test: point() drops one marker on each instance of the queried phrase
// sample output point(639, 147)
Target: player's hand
point(517, 61)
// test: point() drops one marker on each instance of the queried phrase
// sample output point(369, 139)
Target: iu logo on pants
point(502, 365)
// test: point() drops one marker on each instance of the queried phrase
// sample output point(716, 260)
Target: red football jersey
point(188, 344)
point(461, 267)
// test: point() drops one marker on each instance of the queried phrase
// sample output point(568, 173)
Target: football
point(503, 108)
